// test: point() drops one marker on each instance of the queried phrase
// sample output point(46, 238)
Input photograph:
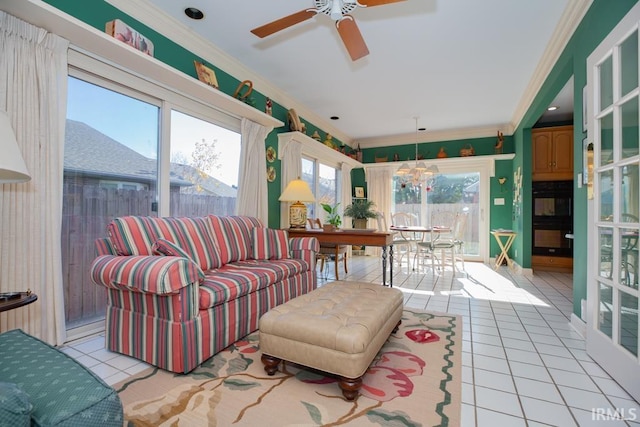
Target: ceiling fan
point(339, 11)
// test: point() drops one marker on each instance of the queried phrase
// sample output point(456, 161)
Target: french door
point(613, 222)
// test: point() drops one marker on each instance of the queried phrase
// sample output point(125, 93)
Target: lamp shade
point(297, 191)
point(404, 169)
point(12, 167)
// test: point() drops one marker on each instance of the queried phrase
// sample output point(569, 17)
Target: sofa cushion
point(241, 278)
point(268, 243)
point(15, 408)
point(232, 234)
point(167, 248)
point(135, 235)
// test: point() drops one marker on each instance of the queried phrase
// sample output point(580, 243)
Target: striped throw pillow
point(168, 248)
point(269, 243)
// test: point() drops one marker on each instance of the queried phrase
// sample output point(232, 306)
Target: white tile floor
point(523, 364)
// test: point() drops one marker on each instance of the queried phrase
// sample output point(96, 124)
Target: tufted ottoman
point(338, 328)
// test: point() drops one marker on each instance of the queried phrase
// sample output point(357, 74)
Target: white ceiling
point(455, 64)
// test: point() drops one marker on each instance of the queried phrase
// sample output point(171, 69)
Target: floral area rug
point(415, 380)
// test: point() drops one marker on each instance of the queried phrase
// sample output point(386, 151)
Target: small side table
point(11, 300)
point(505, 245)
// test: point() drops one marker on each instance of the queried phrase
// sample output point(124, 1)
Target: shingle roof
point(90, 152)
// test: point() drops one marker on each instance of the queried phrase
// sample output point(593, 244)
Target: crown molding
point(567, 25)
point(145, 12)
point(435, 136)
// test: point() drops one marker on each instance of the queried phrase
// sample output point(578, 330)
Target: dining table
point(416, 230)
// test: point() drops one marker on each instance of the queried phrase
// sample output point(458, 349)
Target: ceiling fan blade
point(352, 38)
point(369, 3)
point(282, 23)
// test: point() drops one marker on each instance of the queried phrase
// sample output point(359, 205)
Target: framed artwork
point(206, 74)
point(359, 191)
point(121, 31)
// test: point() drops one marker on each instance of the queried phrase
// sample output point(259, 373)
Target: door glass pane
point(205, 160)
point(630, 136)
point(606, 195)
point(110, 169)
point(629, 63)
point(628, 256)
point(606, 83)
point(605, 243)
point(629, 322)
point(444, 193)
point(605, 313)
point(606, 139)
point(629, 190)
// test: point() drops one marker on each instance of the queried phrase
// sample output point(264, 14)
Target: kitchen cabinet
point(551, 263)
point(552, 153)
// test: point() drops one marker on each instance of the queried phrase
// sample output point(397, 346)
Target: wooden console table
point(355, 237)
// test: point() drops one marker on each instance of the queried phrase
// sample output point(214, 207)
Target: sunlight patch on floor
point(482, 282)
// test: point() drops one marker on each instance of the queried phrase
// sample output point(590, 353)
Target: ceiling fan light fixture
point(336, 10)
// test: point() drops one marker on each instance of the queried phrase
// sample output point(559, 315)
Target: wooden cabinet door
point(552, 153)
point(542, 150)
point(563, 154)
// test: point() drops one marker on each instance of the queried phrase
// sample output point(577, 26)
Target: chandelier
point(419, 173)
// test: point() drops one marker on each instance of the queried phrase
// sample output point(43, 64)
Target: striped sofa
point(180, 290)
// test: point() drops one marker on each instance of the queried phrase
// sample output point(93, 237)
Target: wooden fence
point(87, 209)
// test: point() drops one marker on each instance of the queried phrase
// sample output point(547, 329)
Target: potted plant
point(333, 217)
point(360, 211)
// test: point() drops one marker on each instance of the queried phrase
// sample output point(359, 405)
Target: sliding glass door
point(454, 189)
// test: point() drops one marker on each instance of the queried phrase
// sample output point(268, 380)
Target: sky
point(134, 123)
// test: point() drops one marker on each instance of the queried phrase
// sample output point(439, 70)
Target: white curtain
point(345, 191)
point(33, 91)
point(290, 155)
point(379, 190)
point(252, 182)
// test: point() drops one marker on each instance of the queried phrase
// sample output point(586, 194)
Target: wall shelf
point(315, 149)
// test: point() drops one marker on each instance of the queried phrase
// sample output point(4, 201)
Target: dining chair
point(405, 219)
point(330, 252)
point(401, 245)
point(441, 239)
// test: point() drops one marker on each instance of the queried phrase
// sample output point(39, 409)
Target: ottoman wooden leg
point(397, 327)
point(350, 387)
point(270, 364)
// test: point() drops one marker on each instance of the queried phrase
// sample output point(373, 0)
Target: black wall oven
point(552, 204)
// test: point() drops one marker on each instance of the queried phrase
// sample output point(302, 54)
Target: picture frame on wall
point(206, 74)
point(359, 192)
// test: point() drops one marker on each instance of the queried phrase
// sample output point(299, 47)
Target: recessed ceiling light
point(552, 108)
point(193, 13)
point(334, 118)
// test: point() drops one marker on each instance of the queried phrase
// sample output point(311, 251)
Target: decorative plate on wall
point(271, 173)
point(271, 154)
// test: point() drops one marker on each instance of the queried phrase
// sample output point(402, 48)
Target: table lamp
point(12, 167)
point(297, 191)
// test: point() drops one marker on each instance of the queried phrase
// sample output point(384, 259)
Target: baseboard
point(579, 325)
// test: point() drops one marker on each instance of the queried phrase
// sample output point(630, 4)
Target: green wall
point(601, 18)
